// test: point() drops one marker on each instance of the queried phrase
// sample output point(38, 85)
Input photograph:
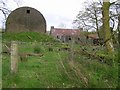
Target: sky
point(58, 13)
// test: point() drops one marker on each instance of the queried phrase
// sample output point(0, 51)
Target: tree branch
point(112, 3)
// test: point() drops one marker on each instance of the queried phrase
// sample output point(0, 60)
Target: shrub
point(27, 37)
point(37, 49)
point(50, 49)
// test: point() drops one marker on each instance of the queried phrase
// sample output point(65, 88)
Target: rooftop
point(66, 32)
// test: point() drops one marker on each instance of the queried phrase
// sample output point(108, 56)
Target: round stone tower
point(26, 19)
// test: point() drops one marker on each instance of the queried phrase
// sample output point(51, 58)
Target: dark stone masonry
point(26, 19)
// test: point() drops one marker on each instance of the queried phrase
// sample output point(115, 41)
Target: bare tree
point(5, 10)
point(91, 17)
point(118, 12)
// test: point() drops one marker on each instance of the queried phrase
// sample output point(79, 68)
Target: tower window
point(28, 11)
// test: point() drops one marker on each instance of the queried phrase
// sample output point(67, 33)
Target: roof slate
point(65, 32)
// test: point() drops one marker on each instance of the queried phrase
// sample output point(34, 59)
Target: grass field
point(26, 37)
point(55, 69)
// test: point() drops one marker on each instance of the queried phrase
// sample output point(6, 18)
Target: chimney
point(51, 30)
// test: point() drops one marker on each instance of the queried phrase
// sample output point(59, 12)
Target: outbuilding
point(26, 19)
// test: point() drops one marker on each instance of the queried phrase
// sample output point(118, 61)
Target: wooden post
point(14, 57)
point(72, 47)
point(0, 61)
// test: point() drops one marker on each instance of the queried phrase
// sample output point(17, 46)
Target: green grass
point(99, 74)
point(55, 69)
point(27, 37)
point(37, 71)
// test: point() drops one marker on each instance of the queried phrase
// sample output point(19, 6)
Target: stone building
point(65, 35)
point(25, 19)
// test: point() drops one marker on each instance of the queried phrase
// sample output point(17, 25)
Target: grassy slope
point(26, 37)
point(55, 69)
point(46, 71)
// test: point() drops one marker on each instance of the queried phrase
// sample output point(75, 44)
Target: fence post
point(0, 61)
point(14, 57)
point(72, 48)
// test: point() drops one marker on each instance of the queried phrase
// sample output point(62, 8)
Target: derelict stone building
point(26, 19)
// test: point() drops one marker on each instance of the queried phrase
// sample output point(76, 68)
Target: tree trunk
point(118, 39)
point(106, 26)
point(1, 61)
point(118, 27)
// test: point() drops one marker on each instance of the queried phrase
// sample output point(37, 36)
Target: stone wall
point(26, 19)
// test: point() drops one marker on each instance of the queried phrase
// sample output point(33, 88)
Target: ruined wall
point(26, 19)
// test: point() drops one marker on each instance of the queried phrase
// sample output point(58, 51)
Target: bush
point(37, 49)
point(27, 37)
point(50, 49)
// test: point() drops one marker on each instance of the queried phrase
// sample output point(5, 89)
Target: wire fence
point(49, 62)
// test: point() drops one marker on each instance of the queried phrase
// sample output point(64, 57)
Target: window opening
point(28, 11)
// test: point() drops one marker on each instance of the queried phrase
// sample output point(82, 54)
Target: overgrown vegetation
point(27, 37)
point(56, 69)
point(37, 49)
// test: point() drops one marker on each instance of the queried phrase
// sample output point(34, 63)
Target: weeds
point(56, 70)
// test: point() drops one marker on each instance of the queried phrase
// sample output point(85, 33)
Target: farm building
point(65, 35)
point(94, 39)
point(25, 19)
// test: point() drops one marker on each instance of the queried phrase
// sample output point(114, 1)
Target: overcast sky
point(56, 12)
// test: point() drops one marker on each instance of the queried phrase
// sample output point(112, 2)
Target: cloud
point(57, 11)
point(56, 20)
point(54, 11)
